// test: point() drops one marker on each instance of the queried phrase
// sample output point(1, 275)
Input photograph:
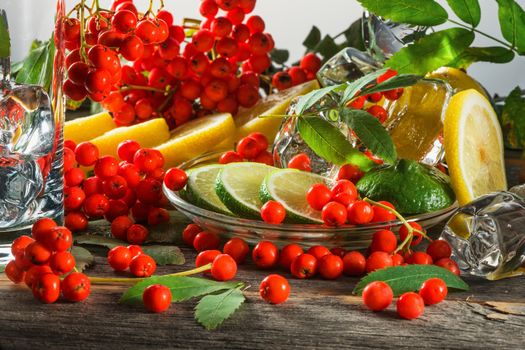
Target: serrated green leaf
point(513, 119)
point(83, 258)
point(432, 51)
point(306, 101)
point(512, 23)
point(5, 40)
point(371, 133)
point(352, 88)
point(416, 12)
point(467, 10)
point(327, 47)
point(409, 278)
point(279, 56)
point(214, 309)
point(494, 54)
point(398, 81)
point(38, 66)
point(181, 287)
point(328, 142)
point(97, 240)
point(312, 39)
point(165, 254)
point(354, 35)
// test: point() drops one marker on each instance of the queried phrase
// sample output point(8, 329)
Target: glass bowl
point(253, 231)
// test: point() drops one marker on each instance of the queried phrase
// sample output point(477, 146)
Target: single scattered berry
point(274, 289)
point(433, 291)
point(384, 241)
point(304, 266)
point(354, 264)
point(223, 268)
point(237, 248)
point(377, 261)
point(410, 306)
point(318, 196)
point(206, 241)
point(142, 266)
point(377, 295)
point(334, 214)
point(330, 266)
point(273, 212)
point(119, 258)
point(76, 287)
point(265, 255)
point(157, 298)
point(175, 179)
point(360, 213)
point(300, 161)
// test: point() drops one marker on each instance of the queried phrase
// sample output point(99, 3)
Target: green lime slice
point(289, 187)
point(237, 186)
point(200, 188)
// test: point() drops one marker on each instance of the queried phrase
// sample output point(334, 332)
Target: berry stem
point(141, 87)
point(82, 32)
point(126, 280)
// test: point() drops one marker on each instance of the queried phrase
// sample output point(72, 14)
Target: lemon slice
point(87, 128)
point(458, 79)
point(196, 138)
point(147, 134)
point(201, 188)
point(289, 187)
point(473, 146)
point(248, 121)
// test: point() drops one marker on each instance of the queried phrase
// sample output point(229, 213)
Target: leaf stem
point(484, 34)
point(129, 280)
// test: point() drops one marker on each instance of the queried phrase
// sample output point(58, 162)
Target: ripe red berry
point(394, 94)
point(115, 187)
point(248, 95)
point(433, 291)
point(377, 261)
point(47, 288)
point(149, 191)
point(189, 233)
point(330, 266)
point(157, 298)
point(73, 198)
point(230, 157)
point(403, 233)
point(119, 258)
point(221, 26)
point(96, 206)
point(288, 254)
point(120, 226)
point(223, 268)
point(248, 148)
point(73, 177)
point(379, 112)
point(265, 255)
point(37, 253)
point(62, 263)
point(146, 160)
point(208, 8)
point(106, 166)
point(205, 257)
point(304, 266)
point(203, 40)
point(419, 258)
point(76, 287)
point(439, 249)
point(397, 259)
point(19, 244)
point(311, 62)
point(13, 272)
point(300, 161)
point(34, 272)
point(354, 264)
point(374, 97)
point(135, 251)
point(349, 172)
point(381, 214)
point(142, 266)
point(76, 221)
point(318, 251)
point(175, 179)
point(384, 241)
point(265, 157)
point(59, 239)
point(318, 196)
point(334, 214)
point(157, 216)
point(206, 241)
point(448, 264)
point(273, 212)
point(360, 213)
point(124, 21)
point(377, 295)
point(344, 192)
point(126, 150)
point(237, 248)
point(137, 234)
point(410, 306)
point(274, 289)
point(255, 24)
point(387, 75)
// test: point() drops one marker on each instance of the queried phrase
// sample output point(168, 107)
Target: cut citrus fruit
point(237, 186)
point(196, 138)
point(458, 79)
point(147, 134)
point(87, 128)
point(248, 121)
point(289, 187)
point(473, 146)
point(200, 189)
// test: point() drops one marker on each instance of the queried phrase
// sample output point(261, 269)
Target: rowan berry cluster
point(42, 258)
point(308, 67)
point(121, 258)
point(142, 65)
point(130, 184)
point(253, 148)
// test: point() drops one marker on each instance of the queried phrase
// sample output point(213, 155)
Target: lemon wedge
point(196, 138)
point(473, 146)
point(87, 128)
point(248, 121)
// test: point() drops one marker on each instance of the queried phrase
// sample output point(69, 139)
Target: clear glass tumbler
point(31, 112)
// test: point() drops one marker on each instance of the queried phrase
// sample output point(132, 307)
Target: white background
point(289, 21)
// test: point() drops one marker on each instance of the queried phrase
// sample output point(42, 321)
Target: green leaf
point(416, 12)
point(513, 119)
point(279, 56)
point(494, 54)
point(370, 131)
point(325, 139)
point(97, 240)
point(512, 23)
point(432, 51)
point(352, 88)
point(398, 81)
point(467, 10)
point(38, 66)
point(354, 35)
point(327, 47)
point(212, 310)
point(5, 41)
point(165, 254)
point(83, 258)
point(313, 38)
point(311, 98)
point(409, 278)
point(182, 288)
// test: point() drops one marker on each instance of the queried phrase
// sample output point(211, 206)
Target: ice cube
point(487, 236)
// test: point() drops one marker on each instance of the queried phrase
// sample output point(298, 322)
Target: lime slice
point(237, 185)
point(201, 188)
point(289, 187)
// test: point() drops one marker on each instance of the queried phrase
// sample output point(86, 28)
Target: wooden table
point(319, 314)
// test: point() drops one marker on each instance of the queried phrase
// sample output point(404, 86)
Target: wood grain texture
point(319, 314)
